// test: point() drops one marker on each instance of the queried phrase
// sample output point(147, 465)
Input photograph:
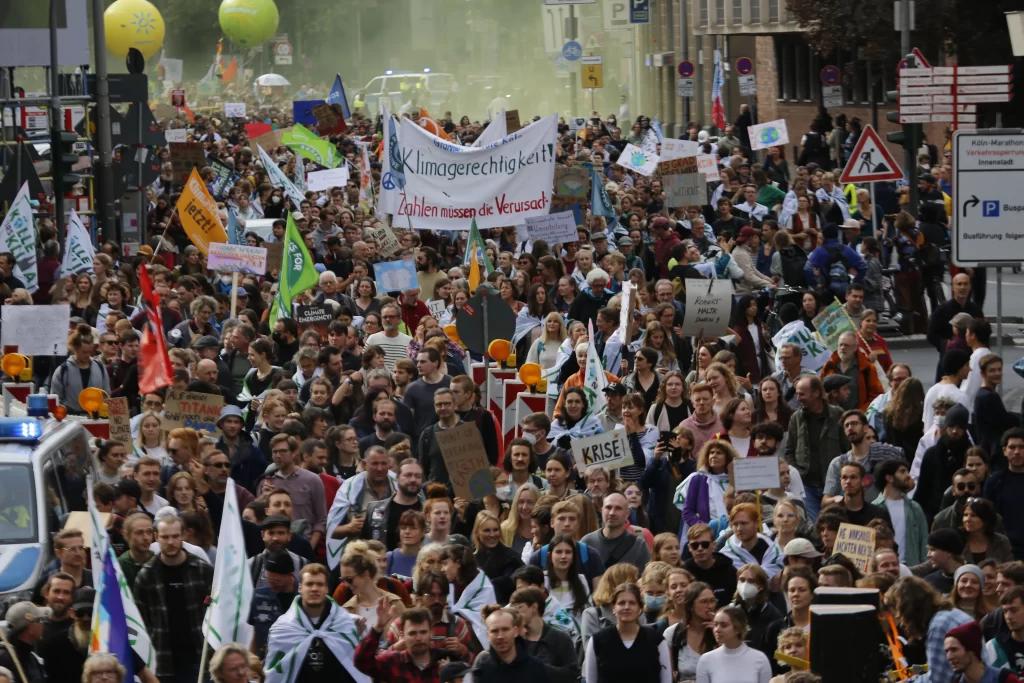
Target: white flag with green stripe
point(227, 616)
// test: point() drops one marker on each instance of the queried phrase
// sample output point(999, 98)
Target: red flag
point(153, 358)
point(230, 72)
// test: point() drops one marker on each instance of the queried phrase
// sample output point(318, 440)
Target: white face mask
point(226, 279)
point(747, 590)
point(940, 421)
point(530, 437)
point(275, 199)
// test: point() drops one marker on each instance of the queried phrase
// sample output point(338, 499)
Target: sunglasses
point(699, 545)
point(219, 465)
point(966, 486)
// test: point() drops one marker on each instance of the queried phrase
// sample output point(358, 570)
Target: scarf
point(716, 485)
point(348, 495)
point(588, 425)
point(565, 351)
point(478, 593)
point(771, 563)
point(293, 633)
point(300, 379)
point(525, 323)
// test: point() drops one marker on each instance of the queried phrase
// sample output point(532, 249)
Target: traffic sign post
point(592, 75)
point(744, 66)
point(572, 50)
point(639, 11)
point(686, 69)
point(830, 75)
point(282, 52)
point(870, 161)
point(950, 94)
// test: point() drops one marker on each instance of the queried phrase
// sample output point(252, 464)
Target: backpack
point(838, 278)
point(793, 261)
point(581, 546)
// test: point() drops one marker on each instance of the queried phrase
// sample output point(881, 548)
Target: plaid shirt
point(939, 670)
point(393, 667)
point(152, 603)
point(450, 626)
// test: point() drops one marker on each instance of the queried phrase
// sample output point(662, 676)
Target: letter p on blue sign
point(990, 208)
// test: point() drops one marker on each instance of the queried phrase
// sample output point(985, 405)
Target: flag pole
point(878, 369)
point(234, 293)
point(161, 242)
point(202, 660)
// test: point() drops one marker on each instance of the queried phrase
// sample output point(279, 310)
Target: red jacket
point(663, 251)
point(412, 314)
point(868, 384)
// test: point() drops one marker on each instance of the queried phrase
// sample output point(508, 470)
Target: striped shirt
point(393, 347)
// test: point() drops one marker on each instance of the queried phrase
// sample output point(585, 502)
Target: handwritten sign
point(36, 330)
point(609, 450)
point(234, 110)
point(815, 354)
point(396, 276)
point(708, 165)
point(329, 120)
point(769, 134)
point(555, 228)
point(677, 149)
point(387, 242)
point(512, 123)
point(831, 323)
point(856, 543)
point(753, 474)
point(184, 157)
point(683, 183)
point(120, 421)
point(708, 307)
point(437, 309)
point(237, 258)
point(275, 253)
point(321, 181)
point(176, 135)
point(192, 409)
point(561, 202)
point(466, 461)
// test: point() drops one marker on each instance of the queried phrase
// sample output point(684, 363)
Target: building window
point(773, 11)
point(802, 57)
point(704, 12)
point(720, 12)
point(737, 11)
point(755, 11)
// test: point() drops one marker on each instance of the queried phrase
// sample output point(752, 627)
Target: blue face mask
point(654, 603)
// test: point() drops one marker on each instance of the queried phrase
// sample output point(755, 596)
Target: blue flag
point(600, 203)
point(113, 635)
point(235, 234)
point(337, 96)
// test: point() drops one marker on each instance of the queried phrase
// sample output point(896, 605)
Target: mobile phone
point(666, 439)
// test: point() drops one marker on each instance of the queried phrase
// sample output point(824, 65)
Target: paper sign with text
point(708, 165)
point(753, 474)
point(676, 149)
point(466, 461)
point(856, 543)
point(192, 409)
point(120, 421)
point(237, 258)
point(396, 276)
point(234, 110)
point(387, 242)
point(318, 316)
point(708, 307)
point(609, 450)
point(437, 309)
point(831, 323)
point(683, 183)
point(555, 228)
point(320, 181)
point(176, 135)
point(36, 330)
point(184, 157)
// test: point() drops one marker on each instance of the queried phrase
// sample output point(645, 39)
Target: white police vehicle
point(434, 91)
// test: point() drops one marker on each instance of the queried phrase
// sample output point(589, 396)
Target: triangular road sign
point(871, 161)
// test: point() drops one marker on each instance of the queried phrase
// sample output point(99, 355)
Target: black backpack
point(793, 261)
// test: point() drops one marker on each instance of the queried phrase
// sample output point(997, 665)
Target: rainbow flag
point(110, 624)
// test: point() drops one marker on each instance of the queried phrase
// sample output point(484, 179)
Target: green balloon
point(248, 22)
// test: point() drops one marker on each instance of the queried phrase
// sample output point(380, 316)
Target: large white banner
point(448, 185)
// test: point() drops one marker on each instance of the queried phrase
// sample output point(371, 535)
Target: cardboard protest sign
point(275, 253)
point(856, 543)
point(609, 450)
point(561, 203)
point(466, 461)
point(315, 316)
point(683, 182)
point(754, 474)
point(120, 421)
point(708, 307)
point(572, 182)
point(387, 242)
point(184, 157)
point(555, 228)
point(271, 140)
point(329, 120)
point(234, 110)
point(237, 258)
point(36, 330)
point(192, 409)
point(636, 159)
point(512, 121)
point(831, 323)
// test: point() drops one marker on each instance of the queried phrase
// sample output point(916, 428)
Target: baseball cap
point(21, 615)
point(145, 249)
point(746, 232)
point(625, 242)
point(207, 341)
point(276, 520)
point(599, 235)
point(616, 388)
point(83, 599)
point(298, 216)
point(800, 547)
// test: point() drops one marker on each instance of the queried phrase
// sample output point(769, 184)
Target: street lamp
point(1015, 24)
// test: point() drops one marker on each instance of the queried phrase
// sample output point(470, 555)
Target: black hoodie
point(492, 669)
point(721, 576)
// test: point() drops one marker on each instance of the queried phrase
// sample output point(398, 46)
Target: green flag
point(476, 242)
point(297, 273)
point(313, 147)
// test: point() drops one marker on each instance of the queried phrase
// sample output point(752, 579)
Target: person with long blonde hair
point(657, 338)
point(724, 385)
point(515, 530)
point(494, 558)
point(600, 615)
point(544, 349)
point(151, 438)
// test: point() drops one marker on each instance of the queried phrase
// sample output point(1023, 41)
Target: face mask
point(654, 603)
point(226, 279)
point(747, 590)
point(530, 437)
point(940, 421)
point(275, 199)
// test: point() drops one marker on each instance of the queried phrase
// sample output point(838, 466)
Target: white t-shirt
point(898, 515)
point(155, 506)
point(938, 391)
point(742, 446)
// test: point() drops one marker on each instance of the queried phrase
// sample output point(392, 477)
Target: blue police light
point(20, 428)
point(426, 71)
point(38, 405)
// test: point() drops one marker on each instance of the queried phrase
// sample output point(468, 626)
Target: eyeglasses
point(699, 545)
point(220, 465)
point(278, 451)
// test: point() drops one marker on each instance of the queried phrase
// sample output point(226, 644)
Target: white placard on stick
point(237, 258)
point(639, 161)
point(385, 239)
point(769, 134)
point(176, 135)
point(708, 307)
point(436, 309)
point(684, 185)
point(319, 181)
point(754, 474)
point(234, 110)
point(677, 149)
point(396, 276)
point(609, 450)
point(36, 330)
point(708, 165)
point(555, 228)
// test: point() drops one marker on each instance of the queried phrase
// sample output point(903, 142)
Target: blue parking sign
point(639, 11)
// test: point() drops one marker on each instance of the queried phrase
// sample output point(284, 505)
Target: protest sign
point(177, 98)
point(321, 181)
point(234, 110)
point(313, 147)
point(831, 323)
point(636, 159)
point(815, 354)
point(36, 330)
point(237, 258)
point(255, 130)
point(387, 242)
point(224, 177)
point(270, 140)
point(769, 134)
point(857, 543)
point(560, 203)
point(192, 409)
point(396, 276)
point(708, 307)
point(708, 165)
point(18, 236)
point(120, 421)
point(754, 474)
point(447, 185)
point(315, 316)
point(677, 149)
point(466, 461)
point(176, 135)
point(184, 157)
point(436, 309)
point(275, 253)
point(198, 214)
point(512, 121)
point(609, 450)
point(683, 183)
point(572, 182)
point(555, 228)
point(329, 119)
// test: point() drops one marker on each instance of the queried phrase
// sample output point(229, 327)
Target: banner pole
point(878, 369)
point(161, 242)
point(234, 293)
point(202, 661)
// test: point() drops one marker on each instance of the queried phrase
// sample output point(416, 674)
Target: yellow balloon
point(133, 23)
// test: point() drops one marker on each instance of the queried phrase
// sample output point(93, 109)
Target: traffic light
point(64, 158)
point(910, 137)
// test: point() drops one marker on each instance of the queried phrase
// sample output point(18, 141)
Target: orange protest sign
point(198, 213)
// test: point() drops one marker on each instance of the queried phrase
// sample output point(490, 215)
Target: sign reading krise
point(447, 185)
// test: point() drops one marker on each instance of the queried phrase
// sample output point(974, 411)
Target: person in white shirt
point(955, 369)
point(734, 661)
point(750, 208)
point(393, 343)
point(978, 334)
point(908, 519)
